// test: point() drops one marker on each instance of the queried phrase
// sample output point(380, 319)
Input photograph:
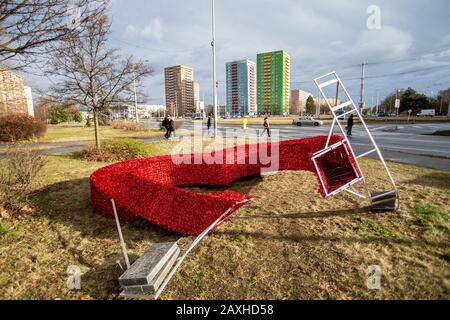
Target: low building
point(29, 99)
point(298, 101)
point(145, 111)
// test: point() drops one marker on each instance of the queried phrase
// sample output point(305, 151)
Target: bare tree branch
point(89, 72)
point(28, 26)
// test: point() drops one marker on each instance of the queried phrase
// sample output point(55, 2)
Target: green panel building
point(273, 82)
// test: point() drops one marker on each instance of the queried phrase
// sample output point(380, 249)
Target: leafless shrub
point(18, 127)
point(128, 125)
point(19, 177)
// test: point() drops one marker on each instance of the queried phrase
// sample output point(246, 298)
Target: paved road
point(409, 144)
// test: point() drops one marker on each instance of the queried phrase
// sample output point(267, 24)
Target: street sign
point(397, 103)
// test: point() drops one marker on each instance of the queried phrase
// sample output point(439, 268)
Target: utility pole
point(213, 44)
point(363, 74)
point(175, 112)
point(378, 102)
point(318, 105)
point(135, 102)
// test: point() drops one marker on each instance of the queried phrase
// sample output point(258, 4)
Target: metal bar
point(330, 134)
point(320, 178)
point(346, 186)
point(371, 139)
point(342, 106)
point(334, 146)
point(191, 247)
point(328, 83)
point(119, 230)
point(326, 75)
point(383, 195)
point(366, 154)
point(355, 193)
point(341, 128)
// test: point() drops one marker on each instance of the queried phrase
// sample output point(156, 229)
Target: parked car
point(307, 121)
point(427, 113)
point(382, 114)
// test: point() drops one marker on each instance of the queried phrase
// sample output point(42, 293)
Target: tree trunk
point(96, 128)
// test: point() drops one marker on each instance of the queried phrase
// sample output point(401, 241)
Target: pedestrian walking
point(266, 127)
point(350, 123)
point(244, 123)
point(208, 125)
point(165, 124)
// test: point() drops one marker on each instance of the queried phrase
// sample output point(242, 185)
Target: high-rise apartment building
point(196, 97)
point(179, 81)
point(241, 87)
point(273, 82)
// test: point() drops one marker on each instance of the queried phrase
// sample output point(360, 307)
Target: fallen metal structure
point(338, 171)
point(379, 201)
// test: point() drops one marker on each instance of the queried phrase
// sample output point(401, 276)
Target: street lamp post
point(213, 44)
point(135, 102)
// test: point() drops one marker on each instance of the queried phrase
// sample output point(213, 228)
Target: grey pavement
point(410, 144)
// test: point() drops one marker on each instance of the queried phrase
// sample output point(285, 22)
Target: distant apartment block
point(241, 88)
point(13, 98)
point(196, 97)
point(273, 82)
point(298, 101)
point(179, 84)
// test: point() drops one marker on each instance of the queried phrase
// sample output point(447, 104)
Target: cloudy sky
point(412, 47)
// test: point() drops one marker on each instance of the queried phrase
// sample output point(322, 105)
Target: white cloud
point(387, 43)
point(152, 31)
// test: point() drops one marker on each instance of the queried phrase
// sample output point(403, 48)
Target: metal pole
point(378, 101)
point(318, 105)
point(135, 102)
point(361, 99)
point(213, 44)
point(119, 230)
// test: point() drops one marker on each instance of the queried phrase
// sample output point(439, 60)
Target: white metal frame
point(353, 109)
point(186, 252)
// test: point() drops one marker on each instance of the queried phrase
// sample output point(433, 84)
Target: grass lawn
point(62, 133)
point(288, 244)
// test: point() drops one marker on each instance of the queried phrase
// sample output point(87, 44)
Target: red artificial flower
point(152, 188)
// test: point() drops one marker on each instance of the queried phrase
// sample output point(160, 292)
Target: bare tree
point(92, 74)
point(28, 26)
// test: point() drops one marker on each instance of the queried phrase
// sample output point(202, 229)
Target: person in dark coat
point(350, 124)
point(208, 124)
point(164, 124)
point(171, 127)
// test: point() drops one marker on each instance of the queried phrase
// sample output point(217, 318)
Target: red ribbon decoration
point(152, 188)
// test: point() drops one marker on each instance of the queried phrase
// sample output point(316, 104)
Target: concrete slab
point(156, 282)
point(147, 267)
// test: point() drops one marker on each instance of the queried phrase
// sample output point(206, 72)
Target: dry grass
point(288, 244)
point(62, 133)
